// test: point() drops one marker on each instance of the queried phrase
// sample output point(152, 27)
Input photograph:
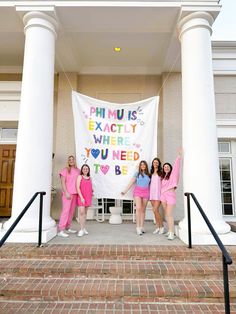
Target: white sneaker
point(171, 236)
point(166, 234)
point(63, 234)
point(71, 230)
point(156, 231)
point(142, 230)
point(139, 231)
point(81, 233)
point(161, 230)
point(85, 231)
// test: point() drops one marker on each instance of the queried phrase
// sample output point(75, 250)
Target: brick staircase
point(113, 279)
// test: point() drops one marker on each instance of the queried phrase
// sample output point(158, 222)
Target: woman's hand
point(180, 151)
point(82, 200)
point(68, 196)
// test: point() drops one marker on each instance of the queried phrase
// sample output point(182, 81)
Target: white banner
point(112, 139)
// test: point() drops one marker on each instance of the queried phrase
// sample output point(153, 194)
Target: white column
point(33, 167)
point(201, 166)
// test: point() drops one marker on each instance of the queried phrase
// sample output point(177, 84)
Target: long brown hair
point(68, 164)
point(146, 171)
point(159, 169)
point(164, 175)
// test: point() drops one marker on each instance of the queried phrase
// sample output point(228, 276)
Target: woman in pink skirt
point(155, 194)
point(68, 177)
point(141, 194)
point(85, 193)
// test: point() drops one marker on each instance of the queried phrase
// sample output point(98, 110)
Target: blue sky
point(224, 27)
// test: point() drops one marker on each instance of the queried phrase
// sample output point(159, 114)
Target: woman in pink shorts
point(85, 193)
point(68, 177)
point(141, 194)
point(155, 194)
point(169, 183)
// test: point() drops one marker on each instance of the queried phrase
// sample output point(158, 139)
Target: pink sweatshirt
point(173, 179)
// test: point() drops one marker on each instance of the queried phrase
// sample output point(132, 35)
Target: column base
point(30, 237)
point(206, 239)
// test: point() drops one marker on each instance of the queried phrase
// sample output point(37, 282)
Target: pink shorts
point(169, 197)
point(141, 192)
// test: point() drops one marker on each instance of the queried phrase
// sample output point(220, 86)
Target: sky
point(224, 28)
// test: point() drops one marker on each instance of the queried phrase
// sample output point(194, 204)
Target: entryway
point(7, 166)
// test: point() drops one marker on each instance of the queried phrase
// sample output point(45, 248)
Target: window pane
point(227, 209)
point(227, 198)
point(9, 133)
point(127, 207)
point(224, 164)
point(224, 147)
point(226, 187)
point(225, 175)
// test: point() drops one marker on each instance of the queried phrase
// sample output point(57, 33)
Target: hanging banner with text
point(112, 139)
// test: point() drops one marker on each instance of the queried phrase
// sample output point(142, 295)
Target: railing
point(9, 231)
point(226, 258)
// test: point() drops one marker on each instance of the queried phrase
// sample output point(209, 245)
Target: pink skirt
point(141, 192)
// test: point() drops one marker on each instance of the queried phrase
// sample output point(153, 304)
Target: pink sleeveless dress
point(155, 188)
point(87, 192)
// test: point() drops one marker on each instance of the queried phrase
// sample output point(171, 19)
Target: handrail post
point(11, 228)
point(189, 221)
point(226, 258)
point(226, 285)
point(40, 217)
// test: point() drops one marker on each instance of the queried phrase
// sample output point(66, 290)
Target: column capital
point(195, 20)
point(39, 18)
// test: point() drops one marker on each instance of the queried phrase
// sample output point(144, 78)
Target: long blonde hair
point(68, 164)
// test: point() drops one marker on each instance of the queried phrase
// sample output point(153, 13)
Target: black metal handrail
point(9, 231)
point(226, 258)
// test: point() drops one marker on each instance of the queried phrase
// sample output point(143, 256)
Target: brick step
point(114, 269)
point(121, 252)
point(123, 290)
point(115, 307)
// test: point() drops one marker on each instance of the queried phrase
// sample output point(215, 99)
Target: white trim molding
point(226, 128)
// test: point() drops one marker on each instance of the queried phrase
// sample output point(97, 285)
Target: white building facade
point(53, 47)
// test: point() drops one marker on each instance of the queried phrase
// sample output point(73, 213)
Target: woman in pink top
point(169, 183)
point(69, 196)
point(155, 194)
point(141, 194)
point(85, 193)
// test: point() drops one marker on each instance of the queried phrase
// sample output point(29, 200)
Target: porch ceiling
point(87, 35)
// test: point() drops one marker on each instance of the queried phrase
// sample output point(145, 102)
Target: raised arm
point(176, 169)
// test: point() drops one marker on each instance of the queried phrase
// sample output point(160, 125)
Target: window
point(224, 147)
point(8, 134)
point(226, 186)
point(226, 177)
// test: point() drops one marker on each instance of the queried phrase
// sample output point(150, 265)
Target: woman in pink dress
point(169, 183)
point(85, 193)
point(68, 177)
point(155, 194)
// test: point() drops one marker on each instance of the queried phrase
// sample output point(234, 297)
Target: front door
point(7, 163)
